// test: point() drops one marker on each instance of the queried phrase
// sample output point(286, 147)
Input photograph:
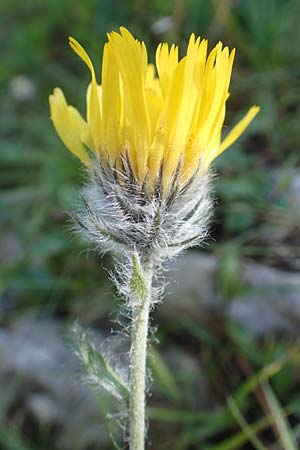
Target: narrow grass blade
point(286, 433)
point(163, 375)
point(247, 429)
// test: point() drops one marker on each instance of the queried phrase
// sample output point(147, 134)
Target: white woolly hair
point(142, 227)
point(117, 214)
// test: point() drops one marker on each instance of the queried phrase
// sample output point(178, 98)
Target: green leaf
point(138, 283)
point(98, 369)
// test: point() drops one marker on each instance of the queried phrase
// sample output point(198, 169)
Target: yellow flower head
point(160, 120)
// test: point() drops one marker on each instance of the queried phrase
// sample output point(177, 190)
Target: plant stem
point(139, 336)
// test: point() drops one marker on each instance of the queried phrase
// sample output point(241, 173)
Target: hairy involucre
point(117, 214)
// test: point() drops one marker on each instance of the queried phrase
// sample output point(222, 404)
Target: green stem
point(139, 337)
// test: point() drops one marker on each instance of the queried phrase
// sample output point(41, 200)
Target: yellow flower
point(156, 120)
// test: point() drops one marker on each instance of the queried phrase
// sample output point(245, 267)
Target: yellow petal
point(189, 96)
point(166, 63)
point(111, 103)
point(93, 105)
point(239, 128)
point(68, 123)
point(131, 59)
point(165, 128)
point(156, 120)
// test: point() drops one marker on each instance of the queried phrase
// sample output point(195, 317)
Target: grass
point(252, 381)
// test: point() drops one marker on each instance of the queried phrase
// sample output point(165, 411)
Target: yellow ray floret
point(154, 120)
point(93, 100)
point(68, 123)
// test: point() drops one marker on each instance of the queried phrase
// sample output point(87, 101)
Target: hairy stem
point(139, 336)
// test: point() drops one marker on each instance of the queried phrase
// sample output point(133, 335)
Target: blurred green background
point(217, 385)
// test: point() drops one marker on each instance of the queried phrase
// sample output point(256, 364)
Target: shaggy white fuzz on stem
point(138, 356)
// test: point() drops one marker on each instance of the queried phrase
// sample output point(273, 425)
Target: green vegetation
point(42, 268)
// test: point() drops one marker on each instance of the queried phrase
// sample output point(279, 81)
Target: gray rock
point(190, 378)
point(191, 286)
point(293, 192)
point(10, 247)
point(49, 385)
point(270, 301)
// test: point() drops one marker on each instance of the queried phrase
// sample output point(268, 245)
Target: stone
point(50, 388)
point(269, 302)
